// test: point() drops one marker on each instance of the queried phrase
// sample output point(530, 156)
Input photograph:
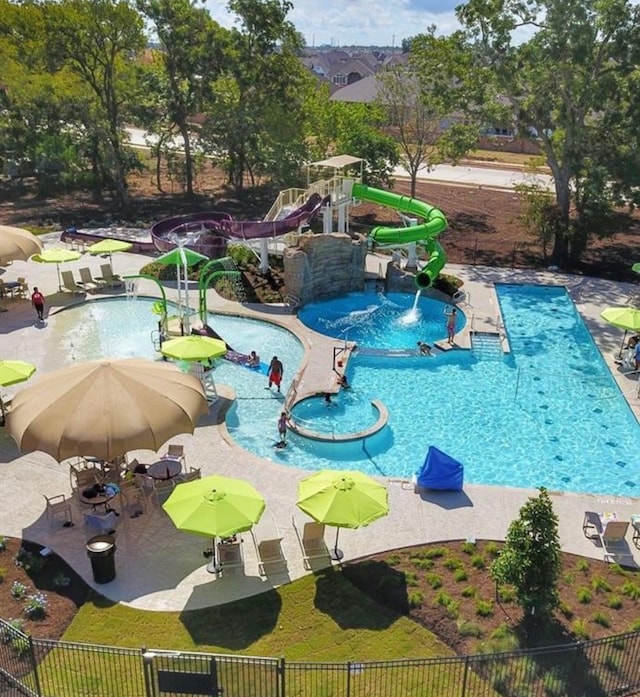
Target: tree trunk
point(188, 160)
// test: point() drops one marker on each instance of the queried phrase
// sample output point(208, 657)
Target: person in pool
point(254, 360)
point(275, 372)
point(424, 348)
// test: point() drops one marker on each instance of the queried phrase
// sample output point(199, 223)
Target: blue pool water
point(547, 414)
point(378, 320)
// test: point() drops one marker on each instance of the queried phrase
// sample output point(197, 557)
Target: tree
point(96, 39)
point(420, 100)
point(192, 55)
point(530, 558)
point(572, 87)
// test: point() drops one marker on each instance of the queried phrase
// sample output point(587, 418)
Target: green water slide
point(434, 223)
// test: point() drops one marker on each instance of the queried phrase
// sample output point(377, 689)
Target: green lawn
point(317, 618)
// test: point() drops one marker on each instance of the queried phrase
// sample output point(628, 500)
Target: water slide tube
point(434, 224)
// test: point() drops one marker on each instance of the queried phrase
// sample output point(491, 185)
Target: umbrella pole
point(337, 554)
point(59, 280)
point(186, 298)
point(212, 566)
point(622, 344)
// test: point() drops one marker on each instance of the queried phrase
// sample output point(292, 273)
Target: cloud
point(360, 22)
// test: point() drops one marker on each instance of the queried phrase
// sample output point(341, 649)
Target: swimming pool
point(547, 414)
point(378, 320)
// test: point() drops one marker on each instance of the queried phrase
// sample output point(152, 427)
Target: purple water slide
point(256, 229)
point(210, 241)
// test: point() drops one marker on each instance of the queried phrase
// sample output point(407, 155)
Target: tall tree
point(530, 558)
point(192, 54)
point(571, 86)
point(96, 39)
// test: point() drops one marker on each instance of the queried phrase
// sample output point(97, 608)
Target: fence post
point(281, 677)
point(348, 678)
point(464, 677)
point(147, 660)
point(34, 665)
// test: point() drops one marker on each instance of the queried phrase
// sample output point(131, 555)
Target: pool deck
point(160, 568)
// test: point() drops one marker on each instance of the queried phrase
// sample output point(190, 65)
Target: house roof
point(365, 91)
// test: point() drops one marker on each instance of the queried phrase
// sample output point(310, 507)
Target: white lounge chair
point(315, 553)
point(111, 279)
point(69, 283)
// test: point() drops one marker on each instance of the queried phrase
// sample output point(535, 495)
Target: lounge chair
point(271, 559)
point(69, 283)
point(87, 280)
point(615, 548)
point(635, 524)
point(314, 548)
point(230, 557)
point(110, 279)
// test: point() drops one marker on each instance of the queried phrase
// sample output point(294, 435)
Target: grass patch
point(580, 630)
point(584, 595)
point(411, 577)
point(477, 561)
point(484, 608)
point(468, 548)
point(434, 581)
point(582, 565)
point(415, 599)
point(492, 549)
point(422, 564)
point(393, 559)
point(565, 609)
point(507, 594)
point(469, 592)
point(601, 619)
point(614, 602)
point(434, 553)
point(468, 628)
point(460, 575)
point(299, 621)
point(452, 563)
point(599, 585)
point(631, 590)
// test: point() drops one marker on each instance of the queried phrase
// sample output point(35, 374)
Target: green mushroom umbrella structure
point(344, 499)
point(12, 373)
point(57, 257)
point(182, 257)
point(215, 506)
point(109, 247)
point(636, 267)
point(193, 348)
point(627, 318)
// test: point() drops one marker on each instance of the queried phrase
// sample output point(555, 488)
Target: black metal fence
point(43, 668)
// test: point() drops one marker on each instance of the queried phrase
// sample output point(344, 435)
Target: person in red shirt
point(37, 300)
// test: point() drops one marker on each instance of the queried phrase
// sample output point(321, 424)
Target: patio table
point(164, 469)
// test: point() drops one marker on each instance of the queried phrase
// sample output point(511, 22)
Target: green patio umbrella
point(57, 257)
point(109, 247)
point(627, 318)
point(636, 267)
point(193, 348)
point(344, 499)
point(182, 257)
point(12, 373)
point(214, 506)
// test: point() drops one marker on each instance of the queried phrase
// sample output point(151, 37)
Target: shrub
point(61, 581)
point(411, 578)
point(614, 602)
point(453, 609)
point(31, 563)
point(393, 559)
point(460, 575)
point(635, 626)
point(468, 547)
point(611, 663)
point(584, 595)
point(501, 632)
point(617, 569)
point(631, 590)
point(580, 629)
point(467, 628)
point(582, 565)
point(20, 645)
point(484, 608)
point(35, 607)
point(477, 561)
point(434, 552)
point(601, 619)
point(507, 594)
point(3, 573)
point(434, 581)
point(469, 592)
point(555, 685)
point(568, 577)
point(3, 543)
point(452, 563)
point(416, 598)
point(422, 564)
point(447, 284)
point(492, 549)
point(443, 599)
point(600, 585)
point(565, 609)
point(18, 590)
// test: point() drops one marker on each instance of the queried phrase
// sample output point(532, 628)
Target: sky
point(360, 22)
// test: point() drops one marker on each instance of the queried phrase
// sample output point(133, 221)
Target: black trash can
point(101, 549)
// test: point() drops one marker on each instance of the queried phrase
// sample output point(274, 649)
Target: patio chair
point(612, 537)
point(23, 289)
point(111, 279)
point(190, 476)
point(59, 508)
point(314, 548)
point(162, 489)
point(87, 280)
point(69, 283)
point(271, 559)
point(230, 558)
point(174, 451)
point(134, 498)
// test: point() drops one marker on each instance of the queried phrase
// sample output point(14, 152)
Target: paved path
point(159, 568)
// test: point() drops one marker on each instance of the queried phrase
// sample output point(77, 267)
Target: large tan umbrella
point(16, 243)
point(106, 408)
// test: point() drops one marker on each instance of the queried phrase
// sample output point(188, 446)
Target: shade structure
point(193, 348)
point(109, 246)
point(183, 258)
point(12, 373)
point(344, 499)
point(17, 244)
point(215, 506)
point(57, 257)
point(106, 408)
point(627, 318)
